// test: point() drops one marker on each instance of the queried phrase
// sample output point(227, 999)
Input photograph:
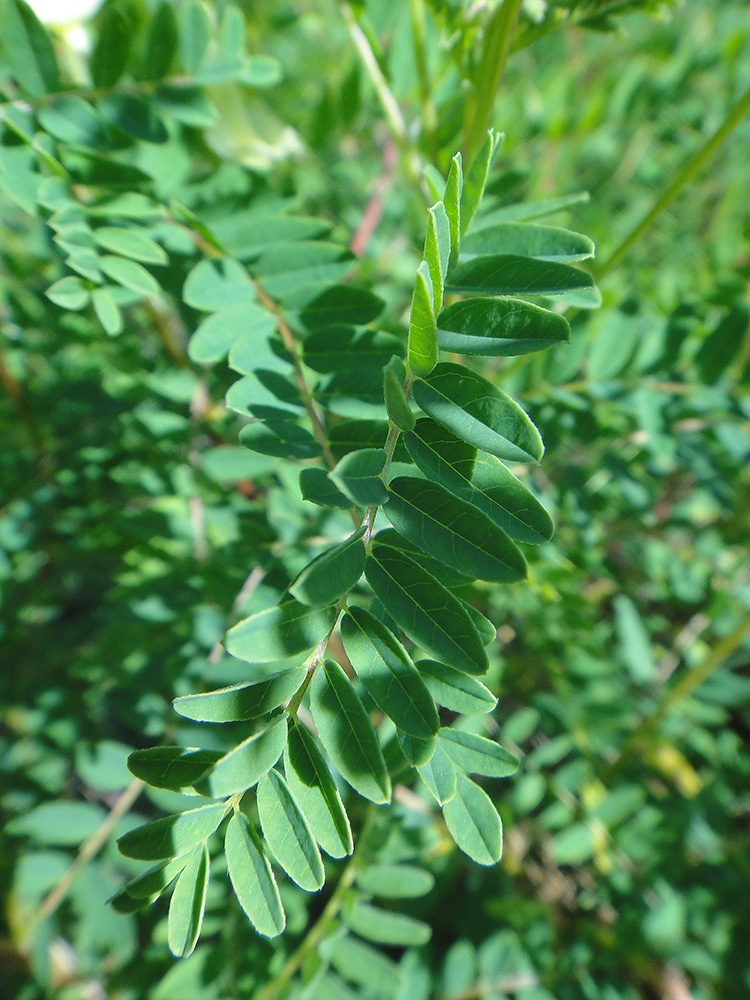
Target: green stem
point(693, 166)
point(327, 917)
point(429, 114)
point(497, 42)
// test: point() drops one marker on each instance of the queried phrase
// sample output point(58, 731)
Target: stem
point(693, 166)
point(320, 929)
point(497, 41)
point(429, 114)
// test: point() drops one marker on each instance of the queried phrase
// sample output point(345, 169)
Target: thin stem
point(429, 114)
point(693, 166)
point(322, 926)
point(495, 51)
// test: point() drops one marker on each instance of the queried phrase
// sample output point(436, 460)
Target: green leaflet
point(437, 250)
point(346, 348)
point(315, 790)
point(388, 674)
point(282, 438)
point(188, 903)
point(346, 733)
point(477, 755)
point(171, 767)
point(130, 274)
point(218, 284)
point(107, 311)
point(452, 201)
point(429, 614)
point(499, 328)
point(315, 486)
point(156, 880)
point(511, 274)
point(478, 413)
point(239, 702)
point(172, 835)
point(450, 578)
point(195, 30)
point(161, 42)
point(395, 881)
point(252, 878)
point(246, 764)
point(476, 178)
point(396, 403)
point(453, 531)
point(68, 293)
point(287, 833)
point(415, 750)
point(454, 690)
point(332, 573)
point(70, 119)
point(485, 628)
point(341, 305)
point(527, 240)
point(439, 775)
point(26, 49)
point(358, 963)
point(422, 346)
point(473, 822)
point(385, 927)
point(359, 476)
point(480, 479)
point(279, 632)
point(130, 243)
point(525, 211)
point(216, 335)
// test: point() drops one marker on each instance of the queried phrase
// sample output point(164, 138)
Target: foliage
point(217, 414)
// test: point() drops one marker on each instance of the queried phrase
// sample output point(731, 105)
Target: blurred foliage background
point(130, 519)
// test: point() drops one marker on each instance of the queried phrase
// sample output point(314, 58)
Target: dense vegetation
point(284, 320)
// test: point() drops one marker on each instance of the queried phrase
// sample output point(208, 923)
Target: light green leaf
point(171, 767)
point(172, 835)
point(452, 201)
point(454, 690)
point(252, 878)
point(453, 531)
point(346, 733)
point(26, 49)
point(385, 927)
point(332, 573)
point(416, 751)
point(280, 632)
point(315, 790)
point(156, 880)
point(107, 311)
point(473, 822)
point(358, 963)
point(359, 476)
point(68, 293)
point(499, 328)
point(476, 178)
point(130, 243)
point(422, 347)
point(194, 34)
point(244, 766)
point(248, 700)
point(130, 274)
point(437, 251)
point(215, 336)
point(388, 674)
point(510, 274)
point(527, 240)
point(429, 614)
point(70, 119)
point(635, 644)
point(396, 403)
point(395, 881)
point(439, 775)
point(525, 211)
point(287, 833)
point(188, 903)
point(478, 413)
point(481, 480)
point(478, 755)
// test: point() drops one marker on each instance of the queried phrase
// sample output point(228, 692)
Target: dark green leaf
point(478, 755)
point(473, 822)
point(527, 240)
point(239, 702)
point(156, 880)
point(454, 690)
point(359, 476)
point(279, 632)
point(172, 835)
point(385, 927)
point(316, 487)
point(342, 304)
point(439, 775)
point(135, 116)
point(422, 348)
point(287, 834)
point(188, 904)
point(453, 531)
point(416, 751)
point(252, 878)
point(481, 480)
point(315, 790)
point(283, 438)
point(347, 734)
point(499, 328)
point(171, 767)
point(345, 348)
point(510, 274)
point(332, 573)
point(388, 674)
point(161, 42)
point(244, 766)
point(112, 47)
point(478, 413)
point(26, 49)
point(395, 881)
point(429, 614)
